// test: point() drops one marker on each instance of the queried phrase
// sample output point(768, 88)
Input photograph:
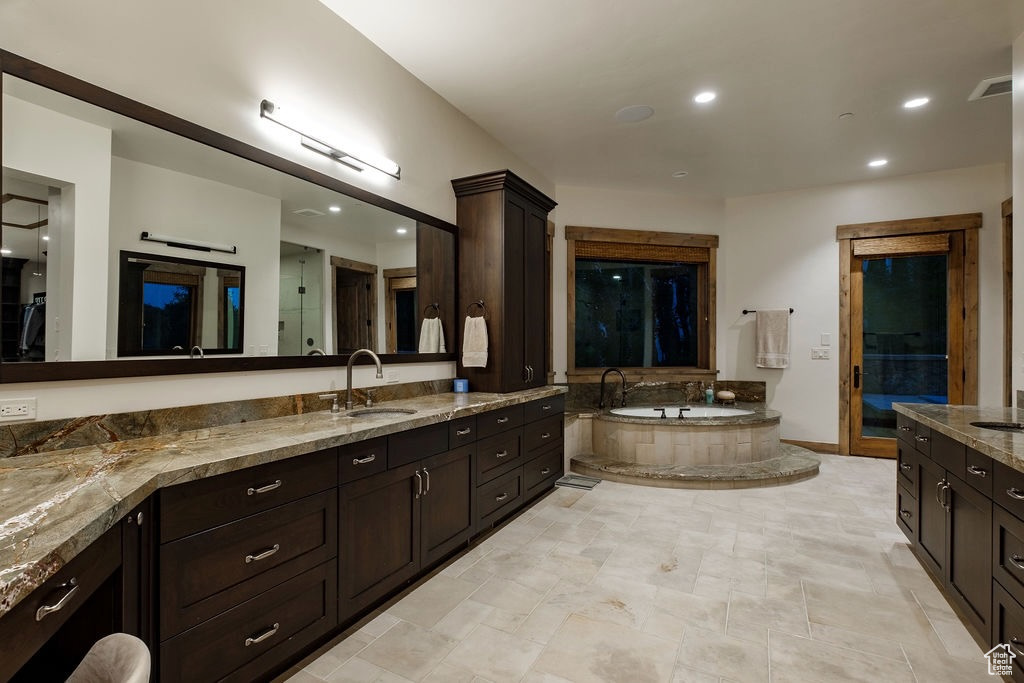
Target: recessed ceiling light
point(401, 231)
point(916, 102)
point(876, 163)
point(616, 277)
point(46, 238)
point(5, 252)
point(680, 174)
point(634, 113)
point(704, 97)
point(334, 209)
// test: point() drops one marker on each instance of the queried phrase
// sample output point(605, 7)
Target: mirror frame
point(57, 81)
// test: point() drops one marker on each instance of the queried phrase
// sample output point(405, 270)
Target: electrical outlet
point(819, 353)
point(17, 409)
point(391, 376)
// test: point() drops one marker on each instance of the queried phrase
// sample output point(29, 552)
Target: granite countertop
point(955, 422)
point(54, 505)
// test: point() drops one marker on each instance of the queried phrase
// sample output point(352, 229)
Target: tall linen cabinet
point(503, 263)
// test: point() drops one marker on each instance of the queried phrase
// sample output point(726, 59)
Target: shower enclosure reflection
point(300, 326)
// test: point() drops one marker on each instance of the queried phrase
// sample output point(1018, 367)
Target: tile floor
point(806, 582)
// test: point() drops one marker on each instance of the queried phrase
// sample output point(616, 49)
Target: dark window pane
point(636, 314)
point(405, 321)
point(166, 316)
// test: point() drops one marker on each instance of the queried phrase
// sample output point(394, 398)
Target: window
point(641, 300)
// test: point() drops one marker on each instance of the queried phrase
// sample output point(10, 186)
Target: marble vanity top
point(55, 504)
point(955, 422)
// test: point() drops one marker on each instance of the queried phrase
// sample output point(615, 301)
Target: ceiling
point(546, 79)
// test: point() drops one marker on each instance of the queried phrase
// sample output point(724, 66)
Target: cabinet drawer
point(1007, 626)
point(947, 452)
point(1008, 552)
point(26, 630)
point(542, 434)
point(497, 455)
point(206, 573)
point(907, 465)
point(906, 513)
point(905, 428)
point(977, 471)
point(1008, 488)
point(500, 420)
point(362, 459)
point(255, 637)
point(462, 431)
point(499, 497)
point(538, 410)
point(538, 470)
point(922, 438)
point(204, 504)
point(416, 444)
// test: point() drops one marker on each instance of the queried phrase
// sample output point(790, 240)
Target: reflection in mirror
point(95, 180)
point(168, 306)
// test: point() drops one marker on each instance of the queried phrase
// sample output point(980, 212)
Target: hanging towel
point(432, 336)
point(772, 344)
point(474, 343)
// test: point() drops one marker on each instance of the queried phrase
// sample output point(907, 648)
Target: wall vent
point(308, 213)
point(991, 87)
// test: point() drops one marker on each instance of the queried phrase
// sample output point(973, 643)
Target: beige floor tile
point(508, 595)
point(356, 670)
point(785, 613)
point(430, 602)
point(305, 676)
point(871, 644)
point(930, 667)
point(379, 625)
point(683, 674)
point(495, 655)
point(408, 650)
point(446, 673)
point(701, 611)
point(802, 660)
point(461, 621)
point(542, 623)
point(724, 655)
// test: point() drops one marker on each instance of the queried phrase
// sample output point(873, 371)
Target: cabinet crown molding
point(501, 180)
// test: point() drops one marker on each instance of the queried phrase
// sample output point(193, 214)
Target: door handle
point(419, 484)
point(426, 485)
point(856, 377)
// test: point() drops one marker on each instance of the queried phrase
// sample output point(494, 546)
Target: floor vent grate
point(578, 481)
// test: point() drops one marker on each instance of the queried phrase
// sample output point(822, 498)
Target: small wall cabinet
point(503, 262)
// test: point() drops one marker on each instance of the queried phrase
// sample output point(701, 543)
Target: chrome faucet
point(600, 402)
point(316, 352)
point(196, 350)
point(348, 372)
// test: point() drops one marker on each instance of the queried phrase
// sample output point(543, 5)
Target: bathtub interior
point(688, 411)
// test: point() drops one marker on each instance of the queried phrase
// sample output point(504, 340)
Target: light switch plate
point(826, 339)
point(819, 353)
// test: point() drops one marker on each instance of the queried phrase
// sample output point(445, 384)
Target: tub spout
point(622, 377)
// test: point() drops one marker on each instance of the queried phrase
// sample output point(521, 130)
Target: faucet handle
point(369, 398)
point(335, 408)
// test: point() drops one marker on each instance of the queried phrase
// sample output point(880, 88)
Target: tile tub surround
point(955, 422)
point(649, 392)
point(53, 505)
point(808, 582)
point(50, 435)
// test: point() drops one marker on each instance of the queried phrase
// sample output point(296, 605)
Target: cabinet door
point(138, 542)
point(969, 568)
point(512, 352)
point(446, 516)
point(931, 517)
point(377, 546)
point(534, 290)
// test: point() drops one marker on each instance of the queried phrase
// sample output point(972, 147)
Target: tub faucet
point(348, 372)
point(196, 351)
point(316, 352)
point(600, 402)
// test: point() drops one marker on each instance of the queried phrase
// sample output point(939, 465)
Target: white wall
point(782, 252)
point(602, 208)
point(145, 197)
point(207, 65)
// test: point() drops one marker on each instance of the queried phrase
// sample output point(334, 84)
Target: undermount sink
point(371, 412)
point(1001, 426)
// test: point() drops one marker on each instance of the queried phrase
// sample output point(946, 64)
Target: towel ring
point(436, 308)
point(480, 303)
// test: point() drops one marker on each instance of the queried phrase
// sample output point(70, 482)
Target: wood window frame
point(963, 229)
point(708, 298)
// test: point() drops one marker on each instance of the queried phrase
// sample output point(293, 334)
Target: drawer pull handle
point(546, 406)
point(263, 489)
point(263, 555)
point(426, 481)
point(463, 432)
point(905, 514)
point(501, 454)
point(546, 435)
point(905, 466)
point(419, 484)
point(1017, 561)
point(905, 428)
point(546, 470)
point(1015, 645)
point(502, 420)
point(1015, 493)
point(270, 630)
point(498, 499)
point(362, 461)
point(978, 471)
point(44, 611)
point(921, 439)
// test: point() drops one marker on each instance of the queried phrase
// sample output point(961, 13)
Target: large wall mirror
point(100, 207)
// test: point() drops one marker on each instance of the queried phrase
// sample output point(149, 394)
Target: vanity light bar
point(270, 112)
point(186, 243)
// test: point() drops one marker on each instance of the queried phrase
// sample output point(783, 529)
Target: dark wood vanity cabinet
point(503, 263)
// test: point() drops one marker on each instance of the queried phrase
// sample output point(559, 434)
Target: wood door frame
point(1007, 213)
point(394, 278)
point(349, 264)
point(968, 225)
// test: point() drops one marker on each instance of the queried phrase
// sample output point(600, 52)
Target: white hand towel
point(432, 336)
point(772, 344)
point(474, 343)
